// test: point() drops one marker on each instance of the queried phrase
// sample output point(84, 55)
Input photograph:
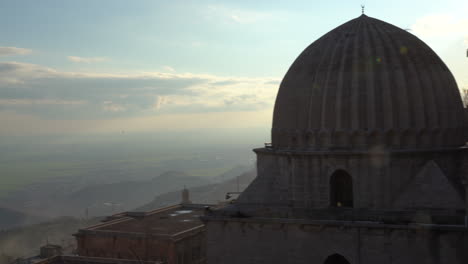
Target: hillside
point(211, 193)
point(11, 218)
point(100, 199)
point(26, 241)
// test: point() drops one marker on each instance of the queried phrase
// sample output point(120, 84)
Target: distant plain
point(113, 158)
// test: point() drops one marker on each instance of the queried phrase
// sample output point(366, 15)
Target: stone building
point(172, 235)
point(367, 163)
point(91, 260)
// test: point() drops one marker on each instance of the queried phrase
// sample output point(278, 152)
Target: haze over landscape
point(110, 106)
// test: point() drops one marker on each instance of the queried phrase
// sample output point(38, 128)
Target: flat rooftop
point(167, 221)
point(92, 260)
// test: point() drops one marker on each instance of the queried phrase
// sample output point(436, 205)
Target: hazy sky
point(103, 66)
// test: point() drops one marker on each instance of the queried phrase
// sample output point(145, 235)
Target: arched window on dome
point(341, 189)
point(336, 259)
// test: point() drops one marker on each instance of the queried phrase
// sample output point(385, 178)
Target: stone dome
point(368, 83)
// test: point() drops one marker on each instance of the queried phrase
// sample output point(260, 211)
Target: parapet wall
point(232, 241)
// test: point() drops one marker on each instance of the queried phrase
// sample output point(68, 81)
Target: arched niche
point(341, 189)
point(336, 259)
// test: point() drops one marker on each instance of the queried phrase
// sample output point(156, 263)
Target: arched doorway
point(336, 259)
point(341, 189)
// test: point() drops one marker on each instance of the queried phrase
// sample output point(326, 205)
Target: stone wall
point(125, 247)
point(302, 179)
point(185, 250)
point(256, 241)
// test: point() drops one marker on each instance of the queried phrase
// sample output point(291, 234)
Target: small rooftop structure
point(50, 250)
point(46, 252)
point(186, 196)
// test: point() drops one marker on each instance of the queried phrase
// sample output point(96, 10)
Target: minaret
point(186, 196)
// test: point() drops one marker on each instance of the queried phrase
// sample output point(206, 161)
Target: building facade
point(367, 163)
point(172, 235)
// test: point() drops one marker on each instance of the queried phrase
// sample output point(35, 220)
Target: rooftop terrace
point(169, 221)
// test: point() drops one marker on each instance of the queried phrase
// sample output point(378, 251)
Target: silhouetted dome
point(368, 83)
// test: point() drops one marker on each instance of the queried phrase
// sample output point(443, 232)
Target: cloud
point(14, 73)
point(447, 35)
point(196, 43)
point(49, 93)
point(160, 100)
point(273, 82)
point(113, 107)
point(168, 69)
point(224, 82)
point(440, 26)
point(39, 102)
point(238, 16)
point(12, 51)
point(86, 59)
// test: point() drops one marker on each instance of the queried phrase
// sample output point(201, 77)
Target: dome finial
point(362, 8)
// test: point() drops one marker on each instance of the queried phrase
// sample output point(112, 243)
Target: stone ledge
point(336, 223)
point(287, 152)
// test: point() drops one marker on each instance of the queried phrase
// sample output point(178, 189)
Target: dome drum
point(361, 140)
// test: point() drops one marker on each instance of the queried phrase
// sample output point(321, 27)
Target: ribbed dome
point(368, 83)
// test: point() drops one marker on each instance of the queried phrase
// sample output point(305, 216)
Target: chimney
point(186, 196)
